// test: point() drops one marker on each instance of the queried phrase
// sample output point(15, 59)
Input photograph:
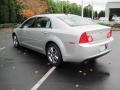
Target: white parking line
point(39, 83)
point(2, 48)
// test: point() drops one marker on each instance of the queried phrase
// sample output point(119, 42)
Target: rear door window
point(43, 22)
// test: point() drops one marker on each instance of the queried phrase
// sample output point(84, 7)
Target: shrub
point(116, 26)
point(8, 25)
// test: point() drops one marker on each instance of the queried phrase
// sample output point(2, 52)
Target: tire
point(15, 41)
point(53, 54)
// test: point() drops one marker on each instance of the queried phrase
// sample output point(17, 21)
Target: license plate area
point(99, 36)
point(103, 48)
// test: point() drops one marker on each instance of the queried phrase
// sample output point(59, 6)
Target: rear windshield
point(74, 20)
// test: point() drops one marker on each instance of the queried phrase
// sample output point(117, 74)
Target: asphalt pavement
point(22, 69)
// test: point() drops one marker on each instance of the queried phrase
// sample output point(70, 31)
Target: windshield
point(74, 20)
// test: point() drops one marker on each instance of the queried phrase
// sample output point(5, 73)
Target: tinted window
point(74, 20)
point(43, 22)
point(29, 23)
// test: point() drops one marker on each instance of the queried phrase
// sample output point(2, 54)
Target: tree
point(63, 7)
point(88, 11)
point(95, 14)
point(75, 9)
point(4, 11)
point(19, 7)
point(7, 11)
point(12, 11)
point(101, 14)
point(51, 6)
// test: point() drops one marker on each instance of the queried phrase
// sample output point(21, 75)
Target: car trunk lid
point(97, 32)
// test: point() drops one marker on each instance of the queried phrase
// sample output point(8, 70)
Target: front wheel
point(54, 54)
point(15, 41)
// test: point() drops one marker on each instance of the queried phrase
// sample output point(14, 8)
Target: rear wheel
point(54, 54)
point(15, 41)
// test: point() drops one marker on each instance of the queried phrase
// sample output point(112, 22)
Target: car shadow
point(35, 57)
point(88, 73)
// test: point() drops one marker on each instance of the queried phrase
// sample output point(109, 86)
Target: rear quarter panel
point(65, 39)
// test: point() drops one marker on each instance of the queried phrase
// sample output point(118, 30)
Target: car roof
point(49, 15)
point(55, 15)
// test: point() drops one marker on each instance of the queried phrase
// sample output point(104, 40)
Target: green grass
point(8, 25)
point(113, 26)
point(105, 24)
point(116, 26)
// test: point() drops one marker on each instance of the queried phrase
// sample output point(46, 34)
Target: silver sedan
point(63, 37)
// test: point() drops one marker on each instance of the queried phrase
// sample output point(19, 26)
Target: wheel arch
point(13, 34)
point(60, 46)
point(49, 42)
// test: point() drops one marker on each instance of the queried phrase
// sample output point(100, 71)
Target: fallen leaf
point(13, 67)
point(80, 71)
point(48, 63)
point(91, 70)
point(84, 74)
point(24, 53)
point(36, 72)
point(77, 85)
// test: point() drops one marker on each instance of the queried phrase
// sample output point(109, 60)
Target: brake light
point(85, 38)
point(109, 34)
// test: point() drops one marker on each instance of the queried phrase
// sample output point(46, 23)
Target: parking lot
point(22, 69)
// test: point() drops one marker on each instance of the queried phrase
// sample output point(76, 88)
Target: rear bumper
point(100, 54)
point(79, 52)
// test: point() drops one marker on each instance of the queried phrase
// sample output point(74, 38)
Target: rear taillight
point(85, 38)
point(109, 34)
